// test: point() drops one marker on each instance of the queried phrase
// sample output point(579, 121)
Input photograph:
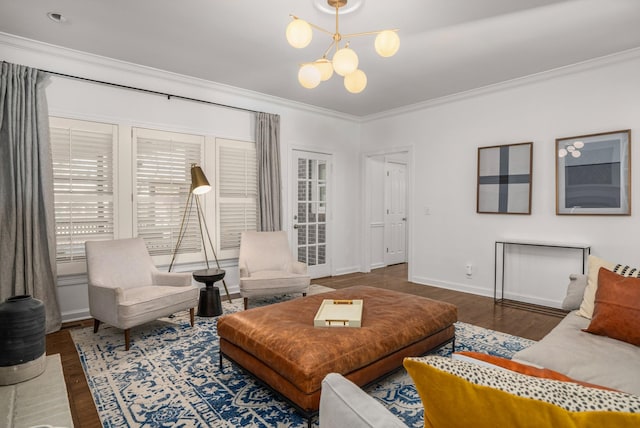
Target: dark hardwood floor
point(472, 309)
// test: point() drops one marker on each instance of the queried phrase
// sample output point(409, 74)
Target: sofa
point(569, 371)
point(591, 358)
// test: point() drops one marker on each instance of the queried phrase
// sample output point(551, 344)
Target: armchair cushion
point(174, 279)
point(265, 251)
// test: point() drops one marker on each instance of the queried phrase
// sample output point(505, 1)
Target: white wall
point(599, 96)
point(302, 127)
point(442, 136)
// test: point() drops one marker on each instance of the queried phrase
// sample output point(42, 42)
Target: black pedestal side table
point(209, 304)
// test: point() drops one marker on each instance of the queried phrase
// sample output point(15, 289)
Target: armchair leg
point(96, 324)
point(127, 338)
point(246, 303)
point(192, 317)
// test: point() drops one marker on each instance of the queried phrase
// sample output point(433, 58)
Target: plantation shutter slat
point(163, 181)
point(237, 191)
point(83, 177)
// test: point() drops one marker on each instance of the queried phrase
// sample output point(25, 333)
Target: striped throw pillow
point(627, 271)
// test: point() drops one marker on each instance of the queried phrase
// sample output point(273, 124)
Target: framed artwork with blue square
point(504, 179)
point(593, 174)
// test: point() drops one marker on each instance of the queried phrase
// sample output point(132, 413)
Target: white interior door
point(310, 211)
point(395, 230)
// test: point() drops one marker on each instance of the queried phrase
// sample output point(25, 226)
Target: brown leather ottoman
point(279, 345)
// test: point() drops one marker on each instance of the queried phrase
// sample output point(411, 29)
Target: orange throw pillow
point(617, 308)
point(526, 369)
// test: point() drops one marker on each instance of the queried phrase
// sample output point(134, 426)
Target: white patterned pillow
point(627, 271)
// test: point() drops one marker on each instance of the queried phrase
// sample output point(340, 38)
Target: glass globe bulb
point(576, 153)
point(578, 144)
point(345, 61)
point(325, 67)
point(562, 153)
point(355, 82)
point(387, 43)
point(299, 33)
point(570, 148)
point(309, 76)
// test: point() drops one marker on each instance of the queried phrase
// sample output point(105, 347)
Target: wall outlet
point(469, 270)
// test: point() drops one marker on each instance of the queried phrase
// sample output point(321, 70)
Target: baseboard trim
point(480, 291)
point(346, 270)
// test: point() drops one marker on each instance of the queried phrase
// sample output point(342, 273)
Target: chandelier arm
point(326, 52)
point(320, 29)
point(367, 33)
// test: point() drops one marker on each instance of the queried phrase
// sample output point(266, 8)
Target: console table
point(585, 249)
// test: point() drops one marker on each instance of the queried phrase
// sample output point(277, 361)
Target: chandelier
point(344, 60)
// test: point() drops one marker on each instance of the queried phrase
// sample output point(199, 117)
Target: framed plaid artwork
point(504, 179)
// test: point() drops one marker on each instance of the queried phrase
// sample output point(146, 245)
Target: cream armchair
point(126, 289)
point(268, 268)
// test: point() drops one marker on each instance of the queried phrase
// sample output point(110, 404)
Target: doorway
point(311, 204)
point(386, 225)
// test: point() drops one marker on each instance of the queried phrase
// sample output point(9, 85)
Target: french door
point(310, 233)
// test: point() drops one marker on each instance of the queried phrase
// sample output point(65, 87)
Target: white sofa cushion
point(586, 357)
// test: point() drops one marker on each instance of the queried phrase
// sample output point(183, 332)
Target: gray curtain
point(268, 154)
point(27, 223)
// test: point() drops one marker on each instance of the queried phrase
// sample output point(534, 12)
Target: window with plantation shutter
point(83, 184)
point(162, 184)
point(237, 192)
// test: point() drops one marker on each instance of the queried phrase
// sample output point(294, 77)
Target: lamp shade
point(299, 33)
point(387, 43)
point(355, 82)
point(199, 182)
point(345, 61)
point(325, 67)
point(309, 76)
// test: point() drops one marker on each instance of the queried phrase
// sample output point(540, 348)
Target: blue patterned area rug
point(170, 377)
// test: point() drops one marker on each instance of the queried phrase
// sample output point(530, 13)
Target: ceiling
point(447, 46)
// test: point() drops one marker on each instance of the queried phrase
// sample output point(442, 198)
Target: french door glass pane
point(302, 235)
point(302, 254)
point(322, 255)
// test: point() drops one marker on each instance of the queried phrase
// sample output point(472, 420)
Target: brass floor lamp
point(199, 186)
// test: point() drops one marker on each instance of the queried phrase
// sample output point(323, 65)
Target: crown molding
point(624, 56)
point(102, 68)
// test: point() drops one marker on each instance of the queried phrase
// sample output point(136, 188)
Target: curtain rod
point(149, 91)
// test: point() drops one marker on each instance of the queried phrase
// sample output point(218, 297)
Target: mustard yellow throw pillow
point(462, 394)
